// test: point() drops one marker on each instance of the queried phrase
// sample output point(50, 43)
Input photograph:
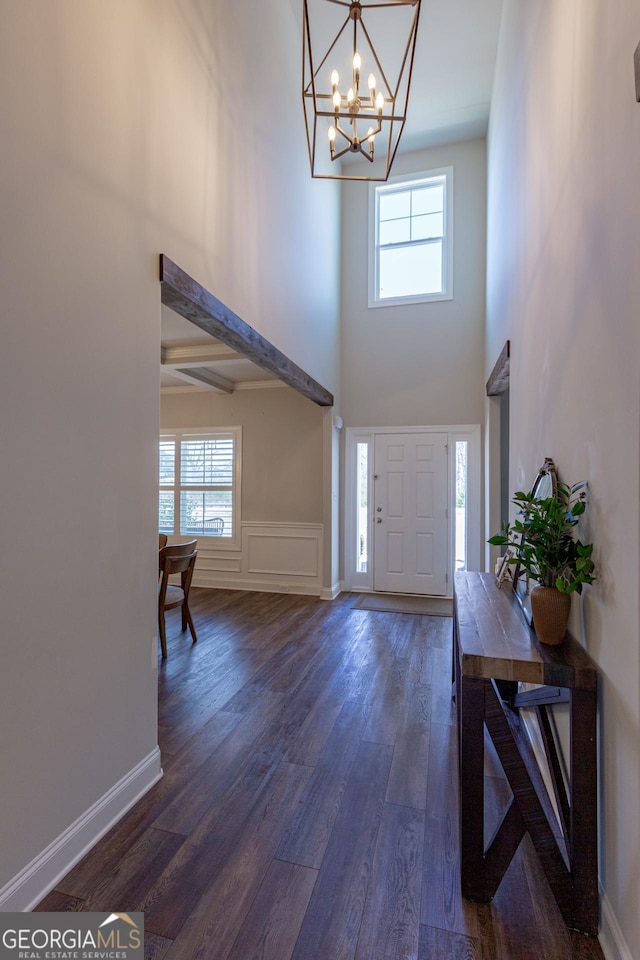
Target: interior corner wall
point(563, 285)
point(417, 363)
point(129, 129)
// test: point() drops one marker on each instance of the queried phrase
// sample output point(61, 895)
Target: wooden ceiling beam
point(192, 301)
point(208, 378)
point(204, 377)
point(195, 354)
point(498, 382)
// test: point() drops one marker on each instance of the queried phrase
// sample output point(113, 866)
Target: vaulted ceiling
point(450, 99)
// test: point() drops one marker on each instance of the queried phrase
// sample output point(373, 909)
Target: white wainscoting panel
point(210, 562)
point(282, 554)
point(274, 557)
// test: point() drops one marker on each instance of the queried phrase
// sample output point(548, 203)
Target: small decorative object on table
point(550, 554)
point(504, 570)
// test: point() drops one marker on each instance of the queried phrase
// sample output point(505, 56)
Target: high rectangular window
point(411, 239)
point(199, 484)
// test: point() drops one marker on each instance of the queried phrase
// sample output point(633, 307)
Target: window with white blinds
point(199, 484)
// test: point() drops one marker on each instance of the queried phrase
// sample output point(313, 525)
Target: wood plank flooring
point(308, 809)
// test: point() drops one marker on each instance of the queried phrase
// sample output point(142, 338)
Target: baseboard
point(611, 938)
point(41, 875)
point(330, 593)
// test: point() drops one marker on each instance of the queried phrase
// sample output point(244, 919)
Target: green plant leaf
point(544, 532)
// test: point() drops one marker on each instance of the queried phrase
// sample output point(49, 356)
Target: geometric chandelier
point(355, 100)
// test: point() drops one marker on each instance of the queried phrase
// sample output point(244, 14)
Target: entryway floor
point(308, 809)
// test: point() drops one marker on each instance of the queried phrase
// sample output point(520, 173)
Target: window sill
point(409, 301)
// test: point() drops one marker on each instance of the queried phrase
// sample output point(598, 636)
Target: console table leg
point(584, 829)
point(471, 733)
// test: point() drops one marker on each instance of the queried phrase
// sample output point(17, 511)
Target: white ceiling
point(179, 336)
point(453, 72)
point(449, 102)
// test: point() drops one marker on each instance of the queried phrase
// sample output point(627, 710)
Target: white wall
point(418, 363)
point(281, 446)
point(129, 128)
point(563, 284)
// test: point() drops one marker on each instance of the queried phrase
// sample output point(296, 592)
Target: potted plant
point(551, 555)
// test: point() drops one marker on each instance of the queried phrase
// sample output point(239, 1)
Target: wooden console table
point(492, 642)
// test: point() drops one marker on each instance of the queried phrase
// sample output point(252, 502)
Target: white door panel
point(395, 495)
point(410, 543)
point(424, 563)
point(424, 495)
point(395, 553)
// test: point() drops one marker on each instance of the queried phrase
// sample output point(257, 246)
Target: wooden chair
point(177, 558)
point(162, 540)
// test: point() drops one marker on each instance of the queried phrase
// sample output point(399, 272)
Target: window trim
point(211, 433)
point(394, 183)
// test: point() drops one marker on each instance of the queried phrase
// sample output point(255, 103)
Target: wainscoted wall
point(274, 557)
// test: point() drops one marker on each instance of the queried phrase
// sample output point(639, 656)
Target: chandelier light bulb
point(350, 95)
point(372, 89)
point(371, 137)
point(379, 103)
point(337, 100)
point(335, 79)
point(357, 63)
point(331, 133)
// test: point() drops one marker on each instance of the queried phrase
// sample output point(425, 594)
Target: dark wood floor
point(308, 808)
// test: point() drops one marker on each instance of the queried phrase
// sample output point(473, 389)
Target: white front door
point(410, 513)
